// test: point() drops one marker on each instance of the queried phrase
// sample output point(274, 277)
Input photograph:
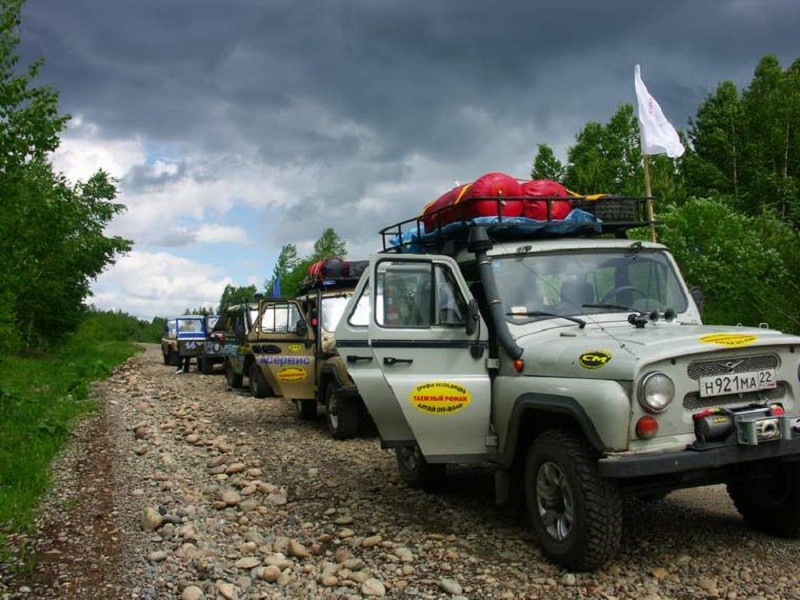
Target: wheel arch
point(534, 414)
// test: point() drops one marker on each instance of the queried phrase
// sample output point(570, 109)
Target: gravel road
point(183, 488)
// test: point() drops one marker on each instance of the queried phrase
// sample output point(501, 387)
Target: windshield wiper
point(612, 306)
point(539, 313)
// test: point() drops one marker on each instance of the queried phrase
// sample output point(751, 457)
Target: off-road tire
point(166, 358)
point(770, 502)
point(306, 409)
point(591, 506)
point(417, 472)
point(174, 358)
point(258, 383)
point(234, 379)
point(341, 414)
point(205, 365)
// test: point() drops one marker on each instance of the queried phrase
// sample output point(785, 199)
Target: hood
point(619, 351)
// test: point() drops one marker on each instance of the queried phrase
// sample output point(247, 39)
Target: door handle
point(352, 358)
point(391, 360)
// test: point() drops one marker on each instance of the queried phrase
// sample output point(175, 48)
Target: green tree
point(722, 252)
point(607, 158)
point(546, 165)
point(328, 245)
point(747, 148)
point(233, 295)
point(53, 243)
point(287, 260)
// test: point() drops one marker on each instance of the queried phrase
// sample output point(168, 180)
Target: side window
point(405, 292)
point(450, 303)
point(280, 318)
point(359, 317)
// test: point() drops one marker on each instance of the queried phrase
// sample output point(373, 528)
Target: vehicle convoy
point(574, 363)
point(183, 337)
point(232, 329)
point(213, 348)
point(294, 350)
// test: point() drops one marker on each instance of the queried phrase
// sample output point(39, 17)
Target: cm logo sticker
point(732, 340)
point(294, 347)
point(440, 397)
point(594, 359)
point(291, 374)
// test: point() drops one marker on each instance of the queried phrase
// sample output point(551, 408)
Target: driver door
point(283, 348)
point(435, 368)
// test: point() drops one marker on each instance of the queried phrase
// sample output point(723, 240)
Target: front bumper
point(190, 348)
point(690, 459)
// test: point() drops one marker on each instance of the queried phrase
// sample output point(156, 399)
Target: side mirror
point(301, 328)
point(697, 296)
point(473, 315)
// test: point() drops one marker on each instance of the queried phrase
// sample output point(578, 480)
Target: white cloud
point(146, 284)
point(83, 151)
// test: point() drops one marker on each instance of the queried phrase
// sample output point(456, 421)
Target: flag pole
point(649, 194)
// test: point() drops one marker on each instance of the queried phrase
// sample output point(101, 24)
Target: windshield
point(211, 322)
point(565, 283)
point(332, 309)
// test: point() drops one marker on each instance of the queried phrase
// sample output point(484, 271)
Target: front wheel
point(341, 414)
point(174, 358)
point(233, 378)
point(576, 514)
point(258, 383)
point(417, 472)
point(166, 357)
point(770, 502)
point(306, 409)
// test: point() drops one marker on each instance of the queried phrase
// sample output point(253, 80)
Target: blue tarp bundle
point(577, 221)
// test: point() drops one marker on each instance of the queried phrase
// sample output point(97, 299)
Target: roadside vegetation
point(43, 396)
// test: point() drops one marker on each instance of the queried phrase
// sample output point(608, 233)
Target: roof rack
point(331, 274)
point(445, 230)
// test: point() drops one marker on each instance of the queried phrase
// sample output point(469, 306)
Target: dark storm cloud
point(357, 87)
point(216, 73)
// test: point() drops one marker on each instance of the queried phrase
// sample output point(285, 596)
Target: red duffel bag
point(463, 206)
point(537, 209)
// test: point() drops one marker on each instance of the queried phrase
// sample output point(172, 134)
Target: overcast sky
point(236, 127)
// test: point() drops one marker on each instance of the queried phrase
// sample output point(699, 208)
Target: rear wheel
point(340, 413)
point(174, 359)
point(770, 502)
point(417, 472)
point(306, 409)
point(577, 515)
point(166, 357)
point(233, 378)
point(258, 383)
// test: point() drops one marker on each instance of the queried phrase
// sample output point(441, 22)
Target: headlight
point(217, 347)
point(656, 392)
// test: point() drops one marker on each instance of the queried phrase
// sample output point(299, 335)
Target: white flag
point(658, 135)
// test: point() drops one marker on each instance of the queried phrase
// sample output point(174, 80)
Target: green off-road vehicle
point(578, 366)
point(232, 329)
point(294, 350)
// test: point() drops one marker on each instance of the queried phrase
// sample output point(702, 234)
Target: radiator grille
point(733, 364)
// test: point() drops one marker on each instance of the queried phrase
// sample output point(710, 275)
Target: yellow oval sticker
point(594, 359)
point(294, 347)
point(291, 374)
point(440, 397)
point(732, 340)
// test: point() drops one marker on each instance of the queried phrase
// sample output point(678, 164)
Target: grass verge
point(42, 398)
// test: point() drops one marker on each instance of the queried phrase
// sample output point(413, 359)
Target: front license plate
point(737, 383)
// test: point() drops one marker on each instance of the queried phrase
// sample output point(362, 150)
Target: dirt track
point(181, 487)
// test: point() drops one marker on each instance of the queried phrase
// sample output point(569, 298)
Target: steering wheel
point(623, 288)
